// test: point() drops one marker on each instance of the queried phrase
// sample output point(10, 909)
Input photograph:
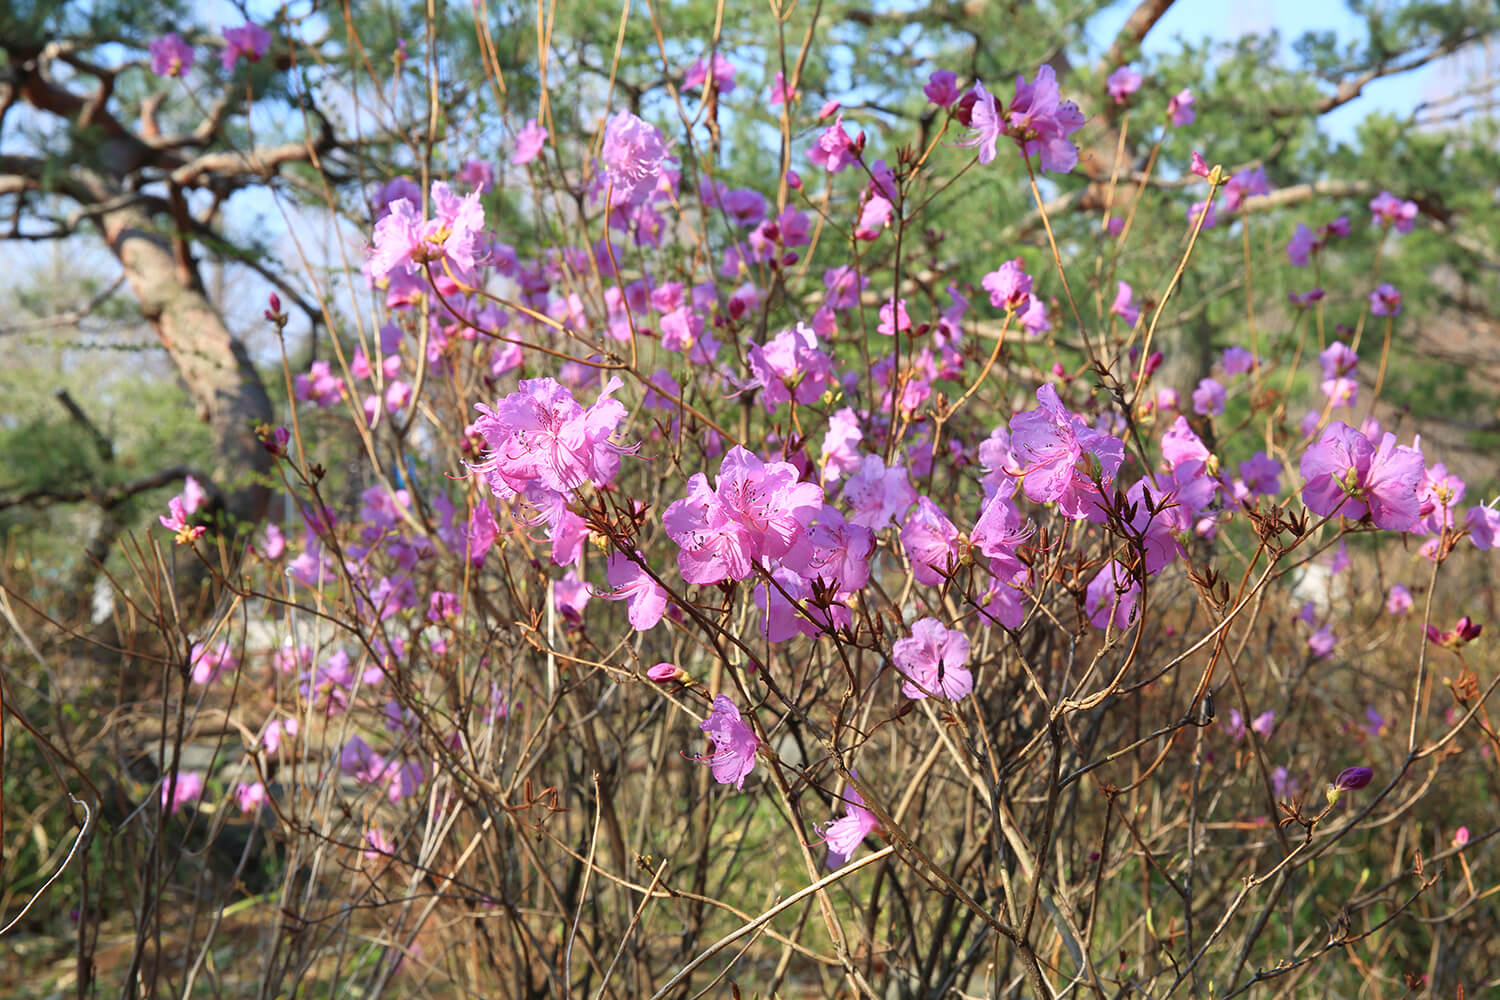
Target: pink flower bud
point(1353, 778)
point(664, 672)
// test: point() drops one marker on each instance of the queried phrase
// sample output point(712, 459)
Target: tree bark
point(212, 362)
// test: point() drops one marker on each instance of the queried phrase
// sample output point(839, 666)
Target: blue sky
point(1221, 21)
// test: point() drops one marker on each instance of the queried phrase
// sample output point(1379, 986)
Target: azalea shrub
point(708, 592)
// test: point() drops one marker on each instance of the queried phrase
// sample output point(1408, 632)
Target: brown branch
point(107, 497)
point(1137, 26)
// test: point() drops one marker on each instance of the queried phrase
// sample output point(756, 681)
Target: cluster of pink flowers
point(1038, 119)
point(172, 56)
point(840, 481)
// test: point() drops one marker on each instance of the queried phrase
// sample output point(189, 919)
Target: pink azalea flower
point(834, 150)
point(1303, 242)
point(931, 543)
point(209, 663)
point(1111, 597)
point(875, 495)
point(275, 731)
point(723, 70)
point(664, 672)
point(1262, 475)
point(999, 531)
point(482, 531)
point(833, 551)
point(176, 520)
point(840, 452)
point(844, 836)
point(647, 598)
point(1122, 307)
point(1034, 317)
point(1009, 285)
point(942, 88)
point(1463, 632)
point(734, 741)
point(1179, 444)
point(1398, 601)
point(319, 385)
point(1060, 454)
point(791, 366)
point(780, 92)
point(985, 124)
point(271, 543)
point(1041, 121)
point(1388, 210)
point(541, 434)
point(1483, 524)
point(1208, 398)
point(933, 662)
point(634, 157)
point(1180, 108)
point(1385, 301)
point(571, 596)
point(756, 511)
point(1237, 360)
point(379, 845)
point(249, 797)
point(529, 142)
point(1245, 184)
point(250, 41)
point(193, 495)
point(1305, 300)
point(171, 56)
point(476, 174)
point(1207, 209)
point(189, 789)
point(1439, 493)
point(1346, 474)
point(404, 241)
point(1321, 643)
point(893, 319)
point(1123, 82)
point(874, 218)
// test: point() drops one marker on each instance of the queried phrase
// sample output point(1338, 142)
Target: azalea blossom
point(404, 241)
point(985, 124)
point(1388, 210)
point(844, 835)
point(933, 661)
point(634, 157)
point(756, 511)
point(529, 142)
point(723, 73)
point(1060, 456)
point(1123, 82)
point(171, 56)
point(1122, 307)
point(1347, 475)
point(734, 742)
point(1180, 108)
point(249, 41)
point(187, 790)
point(542, 434)
point(1041, 121)
point(942, 88)
point(647, 599)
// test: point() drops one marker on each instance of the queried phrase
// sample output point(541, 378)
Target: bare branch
point(108, 497)
point(70, 318)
